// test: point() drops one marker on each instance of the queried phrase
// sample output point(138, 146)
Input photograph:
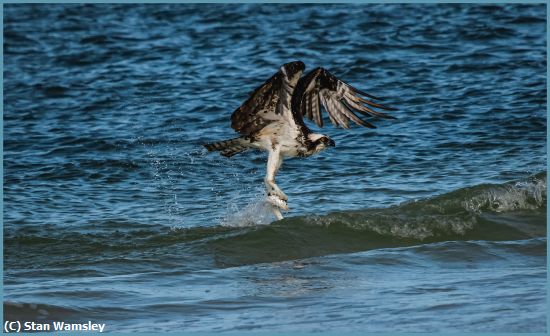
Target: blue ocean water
point(114, 212)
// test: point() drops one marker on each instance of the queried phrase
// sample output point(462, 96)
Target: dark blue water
point(113, 211)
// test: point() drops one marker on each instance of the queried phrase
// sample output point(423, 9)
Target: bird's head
point(321, 142)
point(293, 71)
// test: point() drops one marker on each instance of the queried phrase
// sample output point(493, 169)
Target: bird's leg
point(274, 162)
point(275, 196)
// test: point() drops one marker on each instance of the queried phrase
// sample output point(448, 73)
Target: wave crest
point(523, 195)
point(464, 212)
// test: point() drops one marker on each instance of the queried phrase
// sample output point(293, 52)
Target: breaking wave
point(459, 213)
point(510, 211)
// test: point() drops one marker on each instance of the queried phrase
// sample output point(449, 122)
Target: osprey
point(272, 119)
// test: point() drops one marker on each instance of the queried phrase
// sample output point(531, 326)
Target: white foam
point(525, 195)
point(256, 212)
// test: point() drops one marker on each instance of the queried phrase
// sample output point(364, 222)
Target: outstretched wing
point(264, 106)
point(342, 101)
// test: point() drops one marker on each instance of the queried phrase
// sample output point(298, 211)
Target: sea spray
point(256, 212)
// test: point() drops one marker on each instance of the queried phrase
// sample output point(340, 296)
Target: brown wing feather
point(260, 109)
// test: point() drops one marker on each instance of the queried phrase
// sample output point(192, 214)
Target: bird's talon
point(274, 191)
point(277, 202)
point(279, 194)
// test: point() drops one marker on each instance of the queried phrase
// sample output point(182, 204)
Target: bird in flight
point(272, 119)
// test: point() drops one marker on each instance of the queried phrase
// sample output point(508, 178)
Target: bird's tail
point(229, 147)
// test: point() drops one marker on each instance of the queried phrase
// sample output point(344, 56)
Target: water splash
point(256, 212)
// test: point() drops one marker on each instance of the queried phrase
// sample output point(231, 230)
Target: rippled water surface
point(114, 212)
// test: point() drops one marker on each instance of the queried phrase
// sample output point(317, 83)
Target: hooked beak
point(331, 143)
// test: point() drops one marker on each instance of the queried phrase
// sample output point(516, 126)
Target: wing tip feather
point(356, 90)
